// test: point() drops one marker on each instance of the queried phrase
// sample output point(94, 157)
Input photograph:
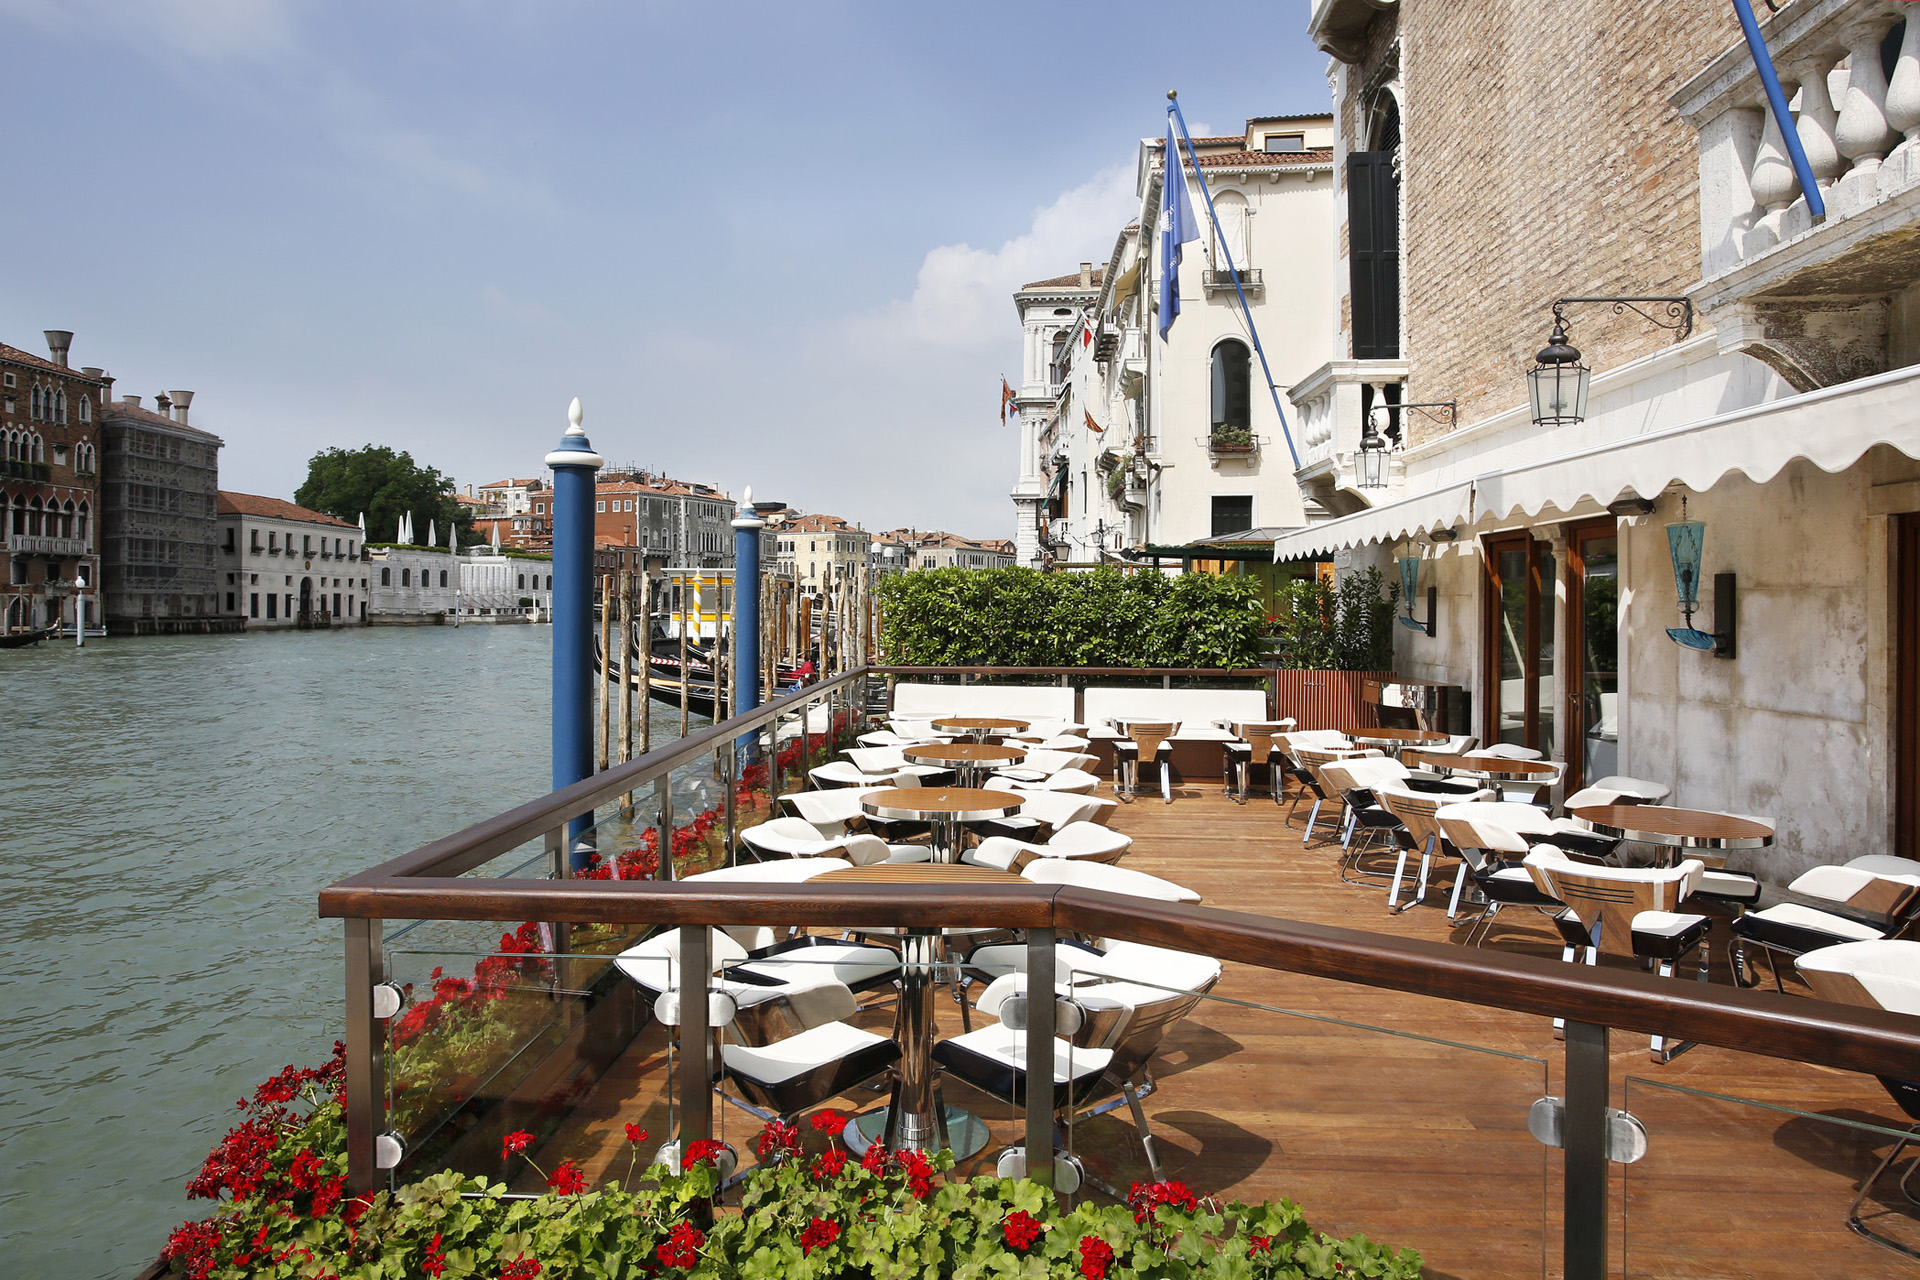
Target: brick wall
point(1540, 160)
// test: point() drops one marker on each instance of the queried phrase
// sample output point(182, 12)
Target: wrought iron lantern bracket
point(1678, 312)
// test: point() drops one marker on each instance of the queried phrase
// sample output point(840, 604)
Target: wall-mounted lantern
point(1370, 463)
point(1686, 543)
point(1409, 588)
point(1558, 382)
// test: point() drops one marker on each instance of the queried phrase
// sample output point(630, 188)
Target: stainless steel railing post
point(1584, 1222)
point(1040, 1023)
point(366, 1055)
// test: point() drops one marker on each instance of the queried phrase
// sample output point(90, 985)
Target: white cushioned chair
point(1085, 841)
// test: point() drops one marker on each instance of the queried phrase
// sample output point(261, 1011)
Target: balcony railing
point(1369, 1094)
point(1787, 288)
point(39, 471)
point(1213, 281)
point(1331, 404)
point(37, 545)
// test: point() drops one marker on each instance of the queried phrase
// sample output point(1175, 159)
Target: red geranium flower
point(1259, 1244)
point(828, 1122)
point(433, 1262)
point(636, 1135)
point(777, 1139)
point(1095, 1256)
point(828, 1164)
point(1022, 1229)
point(682, 1246)
point(702, 1150)
point(819, 1233)
point(514, 1143)
point(567, 1179)
point(875, 1161)
point(521, 1268)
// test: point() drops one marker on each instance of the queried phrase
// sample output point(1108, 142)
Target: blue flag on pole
point(1177, 226)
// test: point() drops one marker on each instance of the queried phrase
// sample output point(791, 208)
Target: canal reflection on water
point(169, 810)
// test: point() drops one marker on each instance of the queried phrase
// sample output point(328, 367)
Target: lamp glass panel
point(1686, 540)
point(1409, 580)
point(1370, 466)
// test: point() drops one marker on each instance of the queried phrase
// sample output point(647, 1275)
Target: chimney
point(92, 372)
point(58, 340)
point(162, 405)
point(132, 400)
point(1086, 275)
point(181, 399)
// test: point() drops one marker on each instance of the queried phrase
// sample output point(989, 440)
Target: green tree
point(383, 484)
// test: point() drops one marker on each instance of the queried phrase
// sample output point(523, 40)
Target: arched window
point(11, 447)
point(60, 406)
point(66, 520)
point(33, 403)
point(39, 449)
point(1231, 206)
point(19, 515)
point(80, 521)
point(549, 582)
point(33, 518)
point(443, 577)
point(86, 408)
point(1232, 386)
point(406, 577)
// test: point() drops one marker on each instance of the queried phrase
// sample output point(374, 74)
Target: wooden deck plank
point(1416, 1143)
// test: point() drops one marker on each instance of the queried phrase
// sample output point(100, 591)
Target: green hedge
point(1021, 617)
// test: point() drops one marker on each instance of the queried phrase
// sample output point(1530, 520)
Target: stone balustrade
point(1759, 241)
point(1329, 421)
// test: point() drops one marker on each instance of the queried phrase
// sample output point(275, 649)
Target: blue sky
point(765, 244)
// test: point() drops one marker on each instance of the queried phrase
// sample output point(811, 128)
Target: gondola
point(21, 639)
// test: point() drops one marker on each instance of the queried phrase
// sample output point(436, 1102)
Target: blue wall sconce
point(1409, 587)
point(1686, 543)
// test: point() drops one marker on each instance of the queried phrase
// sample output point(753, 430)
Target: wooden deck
point(1404, 1117)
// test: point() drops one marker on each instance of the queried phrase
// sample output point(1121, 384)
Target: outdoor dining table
point(949, 809)
point(969, 760)
point(1394, 740)
point(916, 1115)
point(980, 728)
point(1491, 768)
point(1673, 831)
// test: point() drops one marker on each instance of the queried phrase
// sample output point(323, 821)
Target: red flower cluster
point(492, 978)
point(636, 1135)
point(1022, 1229)
point(682, 1246)
point(191, 1248)
point(515, 1143)
point(829, 1163)
point(1096, 1255)
point(1144, 1197)
point(777, 1141)
point(911, 1165)
point(433, 1262)
point(828, 1122)
point(567, 1180)
point(702, 1150)
point(1259, 1244)
point(521, 1268)
point(820, 1232)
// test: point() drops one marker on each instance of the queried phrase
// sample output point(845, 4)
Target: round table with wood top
point(968, 760)
point(949, 809)
point(980, 728)
point(916, 1115)
point(1395, 740)
point(1492, 768)
point(1674, 830)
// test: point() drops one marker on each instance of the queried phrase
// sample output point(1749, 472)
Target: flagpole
point(1173, 108)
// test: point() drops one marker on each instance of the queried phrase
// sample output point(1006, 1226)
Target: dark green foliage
point(383, 484)
point(1021, 617)
point(1350, 628)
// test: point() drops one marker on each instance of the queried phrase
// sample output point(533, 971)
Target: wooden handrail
point(1231, 673)
point(1804, 1030)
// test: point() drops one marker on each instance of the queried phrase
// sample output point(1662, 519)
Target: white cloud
point(210, 30)
point(963, 295)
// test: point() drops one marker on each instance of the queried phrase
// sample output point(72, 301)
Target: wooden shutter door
point(1373, 250)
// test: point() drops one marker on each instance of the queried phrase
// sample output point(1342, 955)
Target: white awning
point(1831, 428)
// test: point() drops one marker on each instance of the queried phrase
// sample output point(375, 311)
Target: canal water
point(169, 809)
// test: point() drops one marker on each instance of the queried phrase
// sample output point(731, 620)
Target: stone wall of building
point(1540, 159)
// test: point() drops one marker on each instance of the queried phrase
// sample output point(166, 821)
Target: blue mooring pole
point(574, 463)
point(746, 609)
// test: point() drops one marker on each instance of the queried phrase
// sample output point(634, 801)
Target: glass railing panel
point(1750, 1187)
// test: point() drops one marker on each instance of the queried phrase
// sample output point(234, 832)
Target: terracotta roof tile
point(253, 504)
point(1069, 281)
point(16, 356)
